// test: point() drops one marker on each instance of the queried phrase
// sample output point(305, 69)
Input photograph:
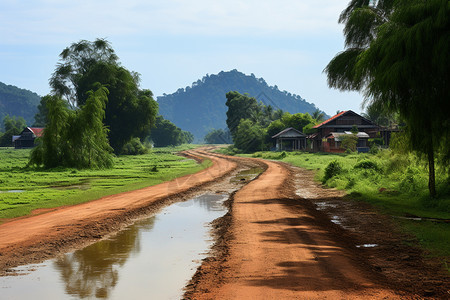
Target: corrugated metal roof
point(37, 131)
point(337, 135)
point(287, 130)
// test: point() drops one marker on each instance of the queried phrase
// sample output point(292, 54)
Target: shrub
point(282, 155)
point(134, 147)
point(334, 168)
point(367, 164)
point(409, 180)
point(349, 142)
point(374, 149)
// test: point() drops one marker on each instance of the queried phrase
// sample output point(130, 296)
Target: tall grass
point(397, 184)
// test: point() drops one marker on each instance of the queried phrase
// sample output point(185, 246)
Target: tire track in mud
point(275, 245)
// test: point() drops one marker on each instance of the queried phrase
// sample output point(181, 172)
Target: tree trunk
point(431, 173)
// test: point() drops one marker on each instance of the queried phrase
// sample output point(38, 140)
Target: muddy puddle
point(151, 259)
point(246, 175)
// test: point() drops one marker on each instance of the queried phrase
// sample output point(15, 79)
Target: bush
point(374, 149)
point(334, 168)
point(134, 147)
point(367, 164)
point(349, 142)
point(409, 180)
point(282, 155)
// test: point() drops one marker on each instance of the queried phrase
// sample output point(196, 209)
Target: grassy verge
point(25, 189)
point(396, 184)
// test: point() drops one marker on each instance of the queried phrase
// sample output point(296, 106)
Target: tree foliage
point(378, 114)
point(166, 133)
point(249, 136)
point(75, 139)
point(218, 136)
point(76, 61)
point(13, 126)
point(201, 107)
point(240, 107)
point(264, 119)
point(130, 112)
point(397, 54)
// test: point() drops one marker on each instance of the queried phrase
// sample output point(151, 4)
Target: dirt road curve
point(279, 252)
point(272, 244)
point(42, 236)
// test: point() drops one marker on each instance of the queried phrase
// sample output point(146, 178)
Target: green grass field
point(23, 189)
point(395, 184)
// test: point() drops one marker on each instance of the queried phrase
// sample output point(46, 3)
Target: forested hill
point(201, 107)
point(18, 102)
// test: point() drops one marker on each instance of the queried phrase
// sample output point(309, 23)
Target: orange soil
point(34, 238)
point(277, 251)
point(275, 245)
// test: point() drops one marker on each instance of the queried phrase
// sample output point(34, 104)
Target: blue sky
point(173, 43)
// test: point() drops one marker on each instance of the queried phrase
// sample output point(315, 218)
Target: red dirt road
point(35, 238)
point(278, 251)
point(271, 245)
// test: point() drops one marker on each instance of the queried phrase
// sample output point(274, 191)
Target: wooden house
point(27, 137)
point(330, 132)
point(290, 139)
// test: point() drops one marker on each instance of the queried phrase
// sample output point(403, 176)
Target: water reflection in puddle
point(367, 246)
point(152, 259)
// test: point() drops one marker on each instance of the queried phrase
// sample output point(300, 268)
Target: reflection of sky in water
point(152, 259)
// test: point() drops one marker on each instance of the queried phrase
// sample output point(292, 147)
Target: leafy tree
point(13, 126)
point(75, 138)
point(134, 147)
point(76, 61)
point(40, 118)
point(318, 116)
point(297, 121)
point(397, 54)
point(278, 114)
point(188, 137)
point(166, 133)
point(130, 112)
point(239, 107)
point(378, 114)
point(274, 128)
point(218, 136)
point(249, 136)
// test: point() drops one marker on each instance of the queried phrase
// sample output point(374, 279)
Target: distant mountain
point(18, 102)
point(201, 107)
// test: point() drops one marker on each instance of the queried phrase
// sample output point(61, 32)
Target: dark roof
point(286, 130)
point(331, 119)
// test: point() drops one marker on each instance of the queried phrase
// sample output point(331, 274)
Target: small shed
point(290, 139)
point(27, 137)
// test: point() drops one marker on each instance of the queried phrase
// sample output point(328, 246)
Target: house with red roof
point(330, 133)
point(27, 137)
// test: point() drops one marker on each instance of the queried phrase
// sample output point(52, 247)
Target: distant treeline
point(199, 108)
